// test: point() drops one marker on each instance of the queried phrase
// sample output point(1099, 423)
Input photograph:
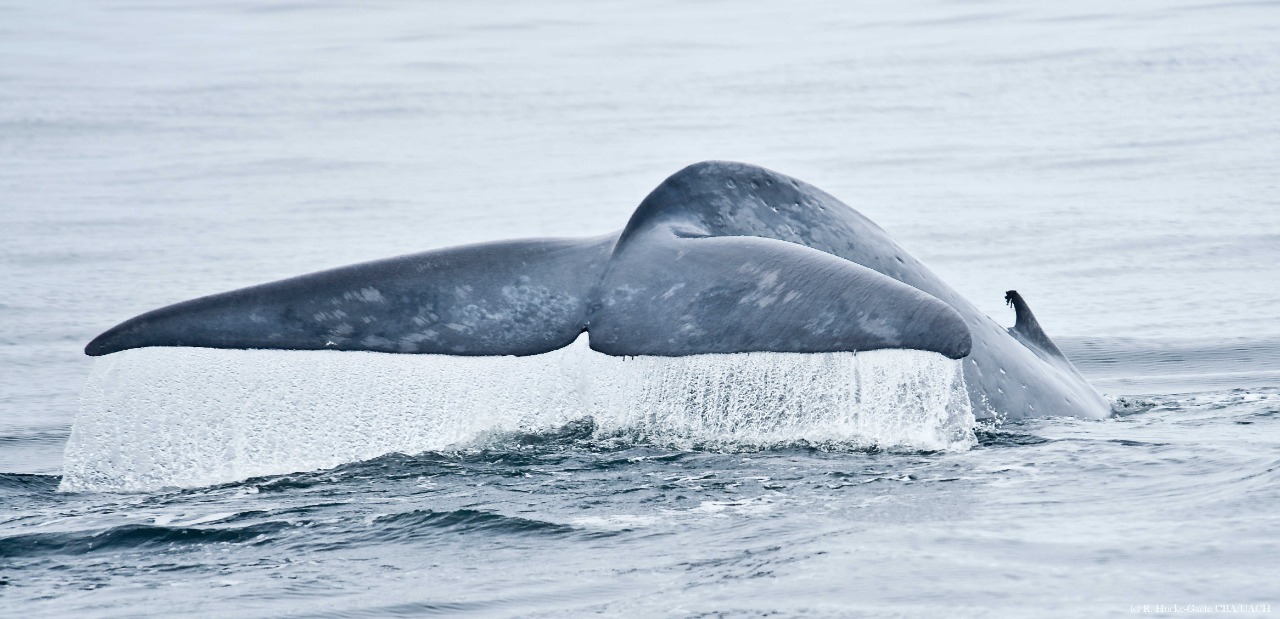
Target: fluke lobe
point(722, 257)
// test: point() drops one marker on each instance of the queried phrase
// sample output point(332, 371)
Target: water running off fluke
point(158, 417)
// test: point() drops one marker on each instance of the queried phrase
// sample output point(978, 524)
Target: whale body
point(721, 257)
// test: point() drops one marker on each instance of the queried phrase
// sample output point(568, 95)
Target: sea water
point(1114, 162)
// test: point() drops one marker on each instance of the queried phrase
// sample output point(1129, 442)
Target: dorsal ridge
point(1026, 328)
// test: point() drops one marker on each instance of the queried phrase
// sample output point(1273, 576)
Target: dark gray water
point(1116, 164)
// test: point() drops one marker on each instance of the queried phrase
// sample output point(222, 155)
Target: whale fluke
point(721, 257)
point(505, 298)
point(674, 296)
point(666, 296)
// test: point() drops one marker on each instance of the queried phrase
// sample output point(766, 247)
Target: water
point(1115, 164)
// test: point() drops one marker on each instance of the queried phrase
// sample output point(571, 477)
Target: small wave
point(42, 437)
point(130, 537)
point(1004, 437)
point(188, 417)
point(27, 487)
point(28, 482)
point(415, 524)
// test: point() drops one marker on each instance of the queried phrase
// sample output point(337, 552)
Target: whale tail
point(665, 296)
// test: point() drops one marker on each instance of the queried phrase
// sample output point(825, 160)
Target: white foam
point(157, 417)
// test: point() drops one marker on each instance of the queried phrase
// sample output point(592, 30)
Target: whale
point(722, 257)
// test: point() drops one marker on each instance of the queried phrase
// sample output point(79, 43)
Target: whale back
point(724, 198)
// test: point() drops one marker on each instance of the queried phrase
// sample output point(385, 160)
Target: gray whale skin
point(721, 257)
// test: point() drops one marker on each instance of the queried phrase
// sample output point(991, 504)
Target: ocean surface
point(1117, 163)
